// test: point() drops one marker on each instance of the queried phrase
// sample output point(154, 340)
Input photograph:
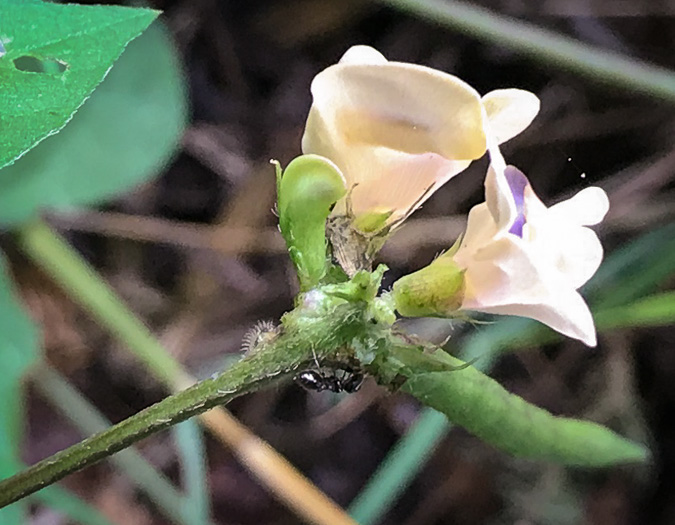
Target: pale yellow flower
point(399, 131)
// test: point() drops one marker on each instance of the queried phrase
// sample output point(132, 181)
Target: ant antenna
point(316, 360)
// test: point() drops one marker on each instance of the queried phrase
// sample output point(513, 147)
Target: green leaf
point(119, 138)
point(56, 54)
point(634, 270)
point(18, 351)
point(190, 445)
point(308, 189)
point(476, 402)
point(655, 310)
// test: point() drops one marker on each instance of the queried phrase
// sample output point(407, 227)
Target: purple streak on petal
point(517, 183)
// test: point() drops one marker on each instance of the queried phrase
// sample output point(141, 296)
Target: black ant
point(327, 378)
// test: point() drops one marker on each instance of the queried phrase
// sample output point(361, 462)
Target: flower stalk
point(346, 322)
point(81, 282)
point(320, 336)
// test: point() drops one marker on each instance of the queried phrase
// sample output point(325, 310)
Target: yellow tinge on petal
point(398, 132)
point(375, 118)
point(404, 107)
point(509, 112)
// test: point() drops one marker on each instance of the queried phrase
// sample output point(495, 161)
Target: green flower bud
point(434, 291)
point(307, 191)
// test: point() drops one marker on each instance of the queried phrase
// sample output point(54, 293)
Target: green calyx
point(372, 222)
point(434, 291)
point(307, 190)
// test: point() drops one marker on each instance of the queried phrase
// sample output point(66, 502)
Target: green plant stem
point(88, 420)
point(82, 283)
point(545, 46)
point(67, 268)
point(282, 357)
point(406, 458)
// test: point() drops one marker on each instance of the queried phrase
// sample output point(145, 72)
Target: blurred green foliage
point(55, 56)
point(18, 351)
point(119, 138)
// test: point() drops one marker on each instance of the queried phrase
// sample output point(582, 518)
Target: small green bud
point(372, 221)
point(307, 190)
point(434, 291)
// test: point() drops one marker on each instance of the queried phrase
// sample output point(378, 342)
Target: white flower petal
point(502, 272)
point(576, 253)
point(567, 313)
point(498, 194)
point(363, 55)
point(481, 229)
point(510, 111)
point(588, 207)
point(534, 272)
point(504, 279)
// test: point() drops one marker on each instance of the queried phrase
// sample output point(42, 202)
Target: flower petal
point(320, 139)
point(481, 229)
point(558, 236)
point(505, 279)
point(406, 180)
point(568, 314)
point(404, 107)
point(510, 111)
point(363, 55)
point(518, 183)
point(502, 272)
point(498, 194)
point(576, 253)
point(588, 207)
point(399, 131)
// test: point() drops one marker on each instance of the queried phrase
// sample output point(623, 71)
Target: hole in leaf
point(39, 65)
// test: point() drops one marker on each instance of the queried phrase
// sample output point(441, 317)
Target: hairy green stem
point(82, 283)
point(543, 45)
point(89, 421)
point(281, 357)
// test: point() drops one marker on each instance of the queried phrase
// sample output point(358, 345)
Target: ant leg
point(316, 359)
